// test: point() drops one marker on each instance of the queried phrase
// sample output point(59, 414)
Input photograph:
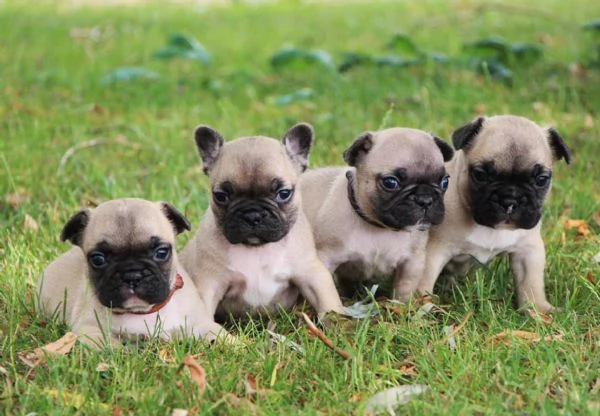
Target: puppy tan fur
point(500, 178)
point(373, 217)
point(122, 267)
point(254, 249)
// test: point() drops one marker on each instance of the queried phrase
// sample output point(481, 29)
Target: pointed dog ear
point(463, 136)
point(297, 142)
point(73, 229)
point(558, 146)
point(209, 143)
point(360, 147)
point(177, 219)
point(445, 148)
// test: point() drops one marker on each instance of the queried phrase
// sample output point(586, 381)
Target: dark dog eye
point(542, 180)
point(97, 259)
point(162, 253)
point(220, 197)
point(284, 195)
point(390, 183)
point(444, 182)
point(479, 175)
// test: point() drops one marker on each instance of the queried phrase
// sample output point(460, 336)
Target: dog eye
point(542, 180)
point(220, 197)
point(444, 182)
point(162, 253)
point(390, 183)
point(284, 195)
point(97, 259)
point(479, 175)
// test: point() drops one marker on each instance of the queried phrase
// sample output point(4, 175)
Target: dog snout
point(132, 277)
point(253, 217)
point(424, 201)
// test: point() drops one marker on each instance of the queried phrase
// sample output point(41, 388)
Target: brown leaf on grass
point(165, 356)
point(319, 334)
point(355, 398)
point(540, 316)
point(588, 121)
point(408, 369)
point(596, 218)
point(61, 346)
point(102, 367)
point(252, 387)
point(582, 227)
point(480, 109)
point(17, 198)
point(590, 277)
point(507, 336)
point(116, 411)
point(197, 373)
point(30, 224)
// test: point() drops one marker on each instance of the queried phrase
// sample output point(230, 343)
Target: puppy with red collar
point(122, 278)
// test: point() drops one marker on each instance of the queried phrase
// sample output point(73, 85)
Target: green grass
point(51, 99)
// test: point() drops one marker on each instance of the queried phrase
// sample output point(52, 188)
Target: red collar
point(158, 306)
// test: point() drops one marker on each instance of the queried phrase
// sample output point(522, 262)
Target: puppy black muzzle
point(254, 223)
point(142, 279)
point(415, 204)
point(506, 205)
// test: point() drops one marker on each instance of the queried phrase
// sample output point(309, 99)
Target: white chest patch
point(379, 250)
point(265, 269)
point(484, 243)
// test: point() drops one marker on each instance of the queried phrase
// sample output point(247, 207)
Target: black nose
point(424, 201)
point(253, 217)
point(132, 277)
point(509, 204)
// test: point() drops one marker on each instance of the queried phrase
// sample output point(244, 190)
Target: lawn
point(72, 136)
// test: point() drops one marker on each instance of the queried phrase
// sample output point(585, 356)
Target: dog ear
point(177, 219)
point(297, 141)
point(209, 143)
point(463, 136)
point(445, 148)
point(360, 147)
point(558, 146)
point(73, 229)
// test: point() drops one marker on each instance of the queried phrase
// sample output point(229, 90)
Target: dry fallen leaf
point(387, 400)
point(480, 109)
point(408, 370)
point(540, 316)
point(197, 373)
point(30, 224)
point(61, 346)
point(101, 367)
point(17, 198)
point(590, 277)
point(588, 121)
point(596, 218)
point(165, 356)
point(505, 337)
point(583, 229)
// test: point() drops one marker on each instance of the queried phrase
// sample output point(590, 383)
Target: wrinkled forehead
point(127, 225)
point(512, 147)
point(253, 162)
point(415, 152)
